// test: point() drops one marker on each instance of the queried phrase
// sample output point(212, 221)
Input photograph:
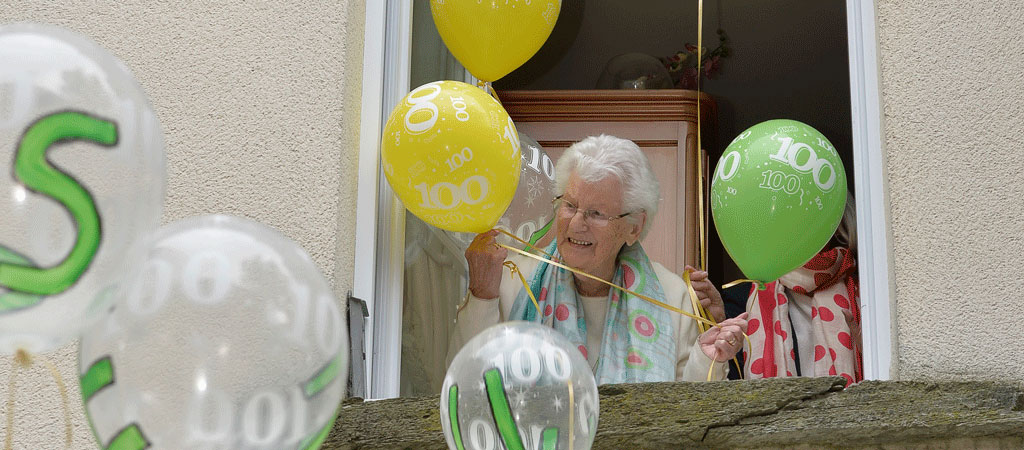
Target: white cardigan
point(477, 314)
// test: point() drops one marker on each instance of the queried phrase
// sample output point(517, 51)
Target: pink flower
point(711, 66)
point(683, 65)
point(689, 79)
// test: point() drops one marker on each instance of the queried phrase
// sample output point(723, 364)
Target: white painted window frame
point(380, 222)
point(871, 191)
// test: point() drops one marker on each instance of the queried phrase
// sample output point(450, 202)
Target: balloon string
point(525, 243)
point(734, 360)
point(760, 285)
point(698, 319)
point(700, 148)
point(702, 251)
point(512, 267)
point(695, 303)
point(702, 326)
point(8, 440)
point(486, 86)
point(572, 414)
point(706, 314)
point(64, 400)
point(23, 360)
point(701, 212)
point(587, 275)
point(711, 367)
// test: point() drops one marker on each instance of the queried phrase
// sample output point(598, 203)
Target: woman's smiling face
point(593, 249)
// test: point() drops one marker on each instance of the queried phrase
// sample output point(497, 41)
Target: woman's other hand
point(722, 342)
point(707, 294)
point(485, 259)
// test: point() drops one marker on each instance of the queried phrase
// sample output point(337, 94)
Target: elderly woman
point(608, 197)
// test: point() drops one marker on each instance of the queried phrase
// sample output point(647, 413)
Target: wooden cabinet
point(662, 122)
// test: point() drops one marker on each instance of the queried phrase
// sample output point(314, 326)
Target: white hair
point(598, 157)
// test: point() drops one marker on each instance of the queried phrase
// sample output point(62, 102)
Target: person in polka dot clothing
point(607, 199)
point(807, 323)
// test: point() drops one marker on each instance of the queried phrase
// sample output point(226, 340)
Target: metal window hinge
point(357, 314)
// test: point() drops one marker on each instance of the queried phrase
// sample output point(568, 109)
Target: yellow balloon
point(451, 154)
point(492, 38)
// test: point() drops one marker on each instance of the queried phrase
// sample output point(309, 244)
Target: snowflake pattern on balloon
point(534, 190)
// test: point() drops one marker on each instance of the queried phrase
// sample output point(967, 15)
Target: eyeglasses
point(596, 219)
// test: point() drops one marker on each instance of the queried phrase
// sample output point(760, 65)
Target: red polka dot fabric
point(828, 283)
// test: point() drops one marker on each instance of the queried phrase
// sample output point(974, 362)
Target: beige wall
point(953, 106)
point(259, 103)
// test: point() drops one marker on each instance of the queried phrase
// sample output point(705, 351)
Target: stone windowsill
point(774, 413)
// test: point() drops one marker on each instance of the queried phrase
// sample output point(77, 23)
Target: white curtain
point(435, 283)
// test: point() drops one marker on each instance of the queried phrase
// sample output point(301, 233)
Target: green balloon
point(777, 196)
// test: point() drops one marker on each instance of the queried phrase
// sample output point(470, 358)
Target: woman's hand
point(707, 294)
point(485, 260)
point(722, 342)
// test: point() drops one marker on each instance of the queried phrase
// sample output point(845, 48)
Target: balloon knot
point(23, 358)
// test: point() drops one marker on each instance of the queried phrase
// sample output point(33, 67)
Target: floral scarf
point(828, 282)
point(638, 344)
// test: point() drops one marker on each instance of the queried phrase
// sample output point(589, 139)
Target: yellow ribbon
point(696, 304)
point(525, 243)
point(514, 269)
point(486, 86)
point(703, 327)
point(759, 284)
point(703, 323)
point(23, 360)
point(587, 275)
point(572, 404)
point(700, 149)
point(701, 212)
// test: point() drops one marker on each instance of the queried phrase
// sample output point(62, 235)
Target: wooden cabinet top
point(606, 105)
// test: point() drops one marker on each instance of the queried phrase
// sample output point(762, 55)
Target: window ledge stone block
point(771, 413)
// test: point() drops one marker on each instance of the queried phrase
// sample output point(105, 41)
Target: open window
point(809, 60)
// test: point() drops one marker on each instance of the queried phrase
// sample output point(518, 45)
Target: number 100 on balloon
point(451, 154)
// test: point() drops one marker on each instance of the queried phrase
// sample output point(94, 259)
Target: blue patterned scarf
point(638, 344)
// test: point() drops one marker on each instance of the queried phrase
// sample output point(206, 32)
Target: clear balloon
point(451, 154)
point(519, 385)
point(777, 196)
point(530, 213)
point(81, 179)
point(228, 338)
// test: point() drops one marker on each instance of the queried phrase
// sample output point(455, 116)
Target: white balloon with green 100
point(519, 386)
point(228, 338)
point(81, 178)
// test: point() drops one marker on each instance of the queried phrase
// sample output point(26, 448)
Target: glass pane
point(435, 268)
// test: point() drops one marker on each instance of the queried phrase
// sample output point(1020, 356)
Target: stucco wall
point(951, 79)
point(259, 103)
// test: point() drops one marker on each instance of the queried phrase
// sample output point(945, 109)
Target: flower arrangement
point(682, 66)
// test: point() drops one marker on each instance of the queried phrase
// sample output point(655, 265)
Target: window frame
point(871, 191)
point(380, 222)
